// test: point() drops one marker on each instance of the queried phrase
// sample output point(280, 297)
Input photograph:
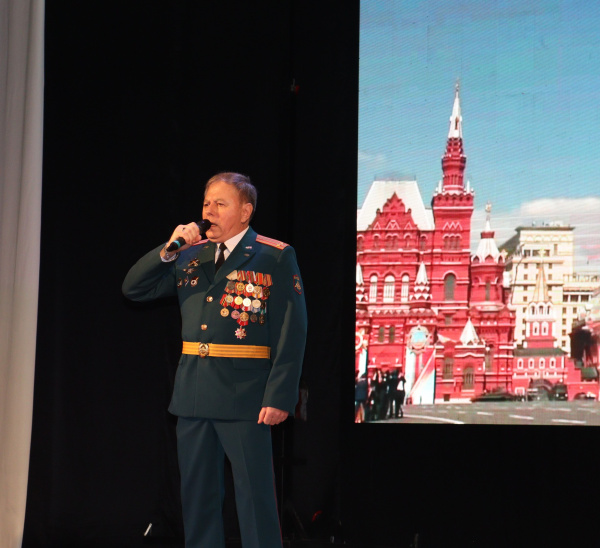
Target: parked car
point(585, 396)
point(560, 392)
point(538, 393)
point(496, 395)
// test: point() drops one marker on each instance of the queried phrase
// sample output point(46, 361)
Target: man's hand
point(271, 416)
point(190, 233)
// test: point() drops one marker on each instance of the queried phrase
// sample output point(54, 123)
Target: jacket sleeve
point(150, 278)
point(287, 325)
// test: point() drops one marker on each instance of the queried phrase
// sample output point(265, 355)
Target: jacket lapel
point(243, 252)
point(206, 258)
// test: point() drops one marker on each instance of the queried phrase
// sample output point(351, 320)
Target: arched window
point(381, 335)
point(404, 288)
point(407, 242)
point(392, 334)
point(542, 363)
point(488, 290)
point(360, 243)
point(531, 363)
point(388, 289)
point(468, 379)
point(449, 285)
point(389, 242)
point(520, 363)
point(373, 288)
point(536, 329)
point(423, 243)
point(376, 241)
point(544, 328)
point(552, 363)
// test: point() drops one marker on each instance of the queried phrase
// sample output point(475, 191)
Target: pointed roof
point(421, 294)
point(455, 131)
point(487, 245)
point(469, 335)
point(422, 275)
point(540, 293)
point(381, 191)
point(359, 275)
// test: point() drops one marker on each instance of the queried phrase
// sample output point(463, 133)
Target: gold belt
point(226, 350)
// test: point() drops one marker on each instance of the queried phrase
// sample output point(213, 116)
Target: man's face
point(223, 208)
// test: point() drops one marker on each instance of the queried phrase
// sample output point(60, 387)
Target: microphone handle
point(175, 245)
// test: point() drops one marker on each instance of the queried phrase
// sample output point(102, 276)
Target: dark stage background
point(145, 100)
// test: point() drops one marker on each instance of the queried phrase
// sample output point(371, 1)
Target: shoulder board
point(200, 242)
point(271, 242)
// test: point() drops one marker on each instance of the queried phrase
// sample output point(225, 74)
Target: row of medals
point(246, 303)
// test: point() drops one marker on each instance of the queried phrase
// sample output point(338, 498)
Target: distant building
point(550, 246)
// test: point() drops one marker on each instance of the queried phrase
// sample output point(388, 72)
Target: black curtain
point(144, 101)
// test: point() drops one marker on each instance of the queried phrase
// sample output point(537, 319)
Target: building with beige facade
point(551, 246)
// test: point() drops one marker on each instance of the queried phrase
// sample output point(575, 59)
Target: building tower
point(452, 206)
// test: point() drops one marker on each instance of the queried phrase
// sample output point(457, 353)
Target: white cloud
point(581, 213)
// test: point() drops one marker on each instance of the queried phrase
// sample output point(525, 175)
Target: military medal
point(230, 287)
point(253, 318)
point(224, 312)
point(240, 333)
point(229, 299)
point(235, 314)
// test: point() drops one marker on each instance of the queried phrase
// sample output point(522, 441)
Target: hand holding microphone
point(186, 235)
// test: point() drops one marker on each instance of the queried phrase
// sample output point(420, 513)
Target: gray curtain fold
point(21, 122)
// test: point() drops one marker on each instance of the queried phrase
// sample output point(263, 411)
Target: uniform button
point(209, 299)
point(204, 327)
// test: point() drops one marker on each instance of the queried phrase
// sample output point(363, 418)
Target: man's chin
point(212, 236)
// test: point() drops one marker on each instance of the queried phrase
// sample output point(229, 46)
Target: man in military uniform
point(244, 329)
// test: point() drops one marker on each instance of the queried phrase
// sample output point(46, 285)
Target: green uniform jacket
point(231, 388)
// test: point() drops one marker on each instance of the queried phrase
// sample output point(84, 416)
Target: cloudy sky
point(529, 76)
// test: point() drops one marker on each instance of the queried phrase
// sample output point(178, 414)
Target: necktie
point(221, 257)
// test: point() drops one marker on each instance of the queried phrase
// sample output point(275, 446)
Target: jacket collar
point(241, 254)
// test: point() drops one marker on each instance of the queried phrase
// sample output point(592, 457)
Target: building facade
point(425, 305)
point(551, 247)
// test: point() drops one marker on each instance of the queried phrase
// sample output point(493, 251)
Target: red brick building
point(425, 304)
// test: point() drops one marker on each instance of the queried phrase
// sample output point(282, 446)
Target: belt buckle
point(203, 349)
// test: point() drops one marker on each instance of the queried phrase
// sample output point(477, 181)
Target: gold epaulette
point(271, 242)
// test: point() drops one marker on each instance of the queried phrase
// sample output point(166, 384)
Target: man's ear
point(246, 212)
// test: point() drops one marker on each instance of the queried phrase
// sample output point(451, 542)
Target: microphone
point(203, 225)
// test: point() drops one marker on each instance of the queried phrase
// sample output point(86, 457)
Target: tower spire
point(455, 131)
point(454, 160)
